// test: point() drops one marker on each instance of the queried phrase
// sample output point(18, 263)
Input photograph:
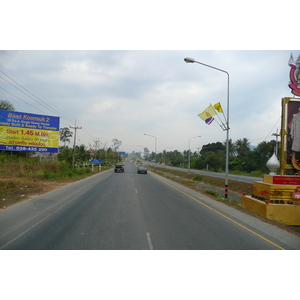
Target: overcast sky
point(124, 94)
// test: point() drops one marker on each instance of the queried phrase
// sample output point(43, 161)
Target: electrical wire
point(38, 100)
point(272, 128)
point(49, 107)
point(21, 99)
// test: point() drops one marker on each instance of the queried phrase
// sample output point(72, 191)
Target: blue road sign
point(96, 162)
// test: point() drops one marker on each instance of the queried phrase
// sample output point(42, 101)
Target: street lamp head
point(189, 60)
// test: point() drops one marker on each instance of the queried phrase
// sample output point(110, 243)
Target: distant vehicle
point(119, 168)
point(142, 169)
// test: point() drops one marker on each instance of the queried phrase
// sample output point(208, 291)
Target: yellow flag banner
point(208, 113)
point(218, 107)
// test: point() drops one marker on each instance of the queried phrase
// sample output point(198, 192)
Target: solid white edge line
point(149, 241)
point(37, 223)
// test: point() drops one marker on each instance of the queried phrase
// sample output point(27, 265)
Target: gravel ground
point(203, 187)
point(221, 192)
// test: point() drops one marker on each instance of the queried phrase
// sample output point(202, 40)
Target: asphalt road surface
point(131, 211)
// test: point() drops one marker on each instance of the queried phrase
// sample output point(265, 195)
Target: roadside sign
point(20, 131)
point(96, 162)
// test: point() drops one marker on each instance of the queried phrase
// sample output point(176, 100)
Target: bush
point(198, 177)
point(213, 193)
point(49, 175)
point(257, 173)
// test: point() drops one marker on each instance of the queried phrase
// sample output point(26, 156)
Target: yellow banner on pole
point(208, 113)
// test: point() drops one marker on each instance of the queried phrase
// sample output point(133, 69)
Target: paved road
point(133, 211)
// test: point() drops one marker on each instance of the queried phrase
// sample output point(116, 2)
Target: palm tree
point(242, 146)
point(231, 147)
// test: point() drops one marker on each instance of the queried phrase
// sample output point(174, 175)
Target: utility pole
point(73, 159)
point(105, 150)
point(276, 146)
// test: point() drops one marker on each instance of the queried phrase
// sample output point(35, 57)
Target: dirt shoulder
point(15, 190)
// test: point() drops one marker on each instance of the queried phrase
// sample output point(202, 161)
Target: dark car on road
point(142, 169)
point(119, 168)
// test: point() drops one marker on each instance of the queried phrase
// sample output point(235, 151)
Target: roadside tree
point(65, 135)
point(6, 105)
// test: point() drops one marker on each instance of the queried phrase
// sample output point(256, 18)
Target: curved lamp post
point(155, 143)
point(189, 161)
point(191, 60)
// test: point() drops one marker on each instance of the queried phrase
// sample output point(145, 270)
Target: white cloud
point(124, 94)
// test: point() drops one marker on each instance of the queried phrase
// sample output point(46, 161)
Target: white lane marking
point(136, 191)
point(42, 220)
point(149, 240)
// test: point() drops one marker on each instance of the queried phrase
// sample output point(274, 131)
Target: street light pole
point(191, 60)
point(189, 160)
point(155, 143)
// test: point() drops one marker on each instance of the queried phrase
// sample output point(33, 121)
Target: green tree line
point(84, 154)
point(242, 159)
point(211, 157)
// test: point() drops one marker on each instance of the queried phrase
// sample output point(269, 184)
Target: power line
point(41, 103)
point(49, 107)
point(272, 129)
point(25, 101)
point(24, 88)
point(21, 99)
point(38, 99)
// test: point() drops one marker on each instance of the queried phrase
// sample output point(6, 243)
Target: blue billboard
point(21, 131)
